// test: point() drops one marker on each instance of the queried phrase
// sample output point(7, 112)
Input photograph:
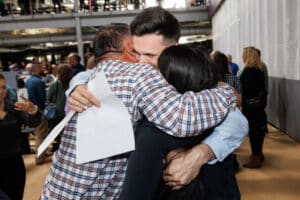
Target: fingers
point(81, 98)
point(24, 99)
point(86, 97)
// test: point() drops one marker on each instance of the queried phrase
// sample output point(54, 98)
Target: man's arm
point(226, 137)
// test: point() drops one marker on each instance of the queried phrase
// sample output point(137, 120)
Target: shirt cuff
point(219, 147)
point(34, 111)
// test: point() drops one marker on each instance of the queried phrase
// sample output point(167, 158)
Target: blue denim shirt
point(36, 91)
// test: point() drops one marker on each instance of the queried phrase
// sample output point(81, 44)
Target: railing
point(33, 7)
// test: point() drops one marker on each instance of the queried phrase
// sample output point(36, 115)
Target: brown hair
point(64, 75)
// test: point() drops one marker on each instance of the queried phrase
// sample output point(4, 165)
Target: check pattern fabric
point(144, 92)
point(234, 81)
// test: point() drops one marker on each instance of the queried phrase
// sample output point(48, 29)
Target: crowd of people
point(181, 99)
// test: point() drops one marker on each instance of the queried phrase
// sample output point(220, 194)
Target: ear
point(128, 54)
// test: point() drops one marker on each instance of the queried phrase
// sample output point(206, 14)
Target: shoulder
point(126, 68)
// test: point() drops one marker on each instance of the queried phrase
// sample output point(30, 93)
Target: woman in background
point(253, 104)
point(12, 117)
point(56, 94)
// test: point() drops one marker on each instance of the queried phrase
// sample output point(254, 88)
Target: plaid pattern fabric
point(144, 92)
point(234, 82)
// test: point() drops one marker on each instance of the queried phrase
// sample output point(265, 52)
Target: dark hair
point(75, 56)
point(187, 68)
point(221, 63)
point(65, 75)
point(156, 20)
point(110, 38)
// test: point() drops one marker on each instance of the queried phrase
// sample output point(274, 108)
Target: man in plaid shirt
point(144, 92)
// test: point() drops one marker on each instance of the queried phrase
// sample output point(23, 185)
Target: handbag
point(51, 111)
point(258, 102)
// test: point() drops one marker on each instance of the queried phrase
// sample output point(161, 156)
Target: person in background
point(225, 75)
point(74, 62)
point(234, 68)
point(12, 117)
point(37, 94)
point(253, 86)
point(56, 94)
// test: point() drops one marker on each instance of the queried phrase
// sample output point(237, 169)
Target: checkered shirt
point(144, 92)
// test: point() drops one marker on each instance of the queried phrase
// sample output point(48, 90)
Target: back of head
point(36, 67)
point(156, 20)
point(251, 57)
point(222, 67)
point(187, 68)
point(110, 39)
point(75, 56)
point(64, 74)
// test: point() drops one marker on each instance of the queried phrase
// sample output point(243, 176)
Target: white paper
point(54, 133)
point(106, 131)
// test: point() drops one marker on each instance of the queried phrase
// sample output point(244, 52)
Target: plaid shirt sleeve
point(182, 115)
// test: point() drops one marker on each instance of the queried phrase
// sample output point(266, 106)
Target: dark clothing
point(214, 182)
point(12, 177)
point(3, 196)
point(12, 170)
point(253, 85)
point(36, 91)
point(78, 68)
point(145, 166)
point(56, 94)
point(10, 128)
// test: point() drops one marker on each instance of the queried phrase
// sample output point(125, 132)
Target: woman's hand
point(26, 106)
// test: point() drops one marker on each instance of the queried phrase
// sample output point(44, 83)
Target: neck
point(111, 56)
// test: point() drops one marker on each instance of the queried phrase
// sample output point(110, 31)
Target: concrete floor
point(278, 179)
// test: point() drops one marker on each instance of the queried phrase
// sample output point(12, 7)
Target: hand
point(26, 106)
point(184, 165)
point(81, 98)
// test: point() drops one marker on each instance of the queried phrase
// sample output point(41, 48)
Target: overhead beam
point(67, 20)
point(37, 39)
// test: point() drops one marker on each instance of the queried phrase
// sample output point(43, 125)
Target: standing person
point(74, 62)
point(233, 66)
point(187, 68)
point(12, 169)
point(253, 104)
point(140, 84)
point(56, 94)
point(153, 30)
point(37, 94)
point(224, 74)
